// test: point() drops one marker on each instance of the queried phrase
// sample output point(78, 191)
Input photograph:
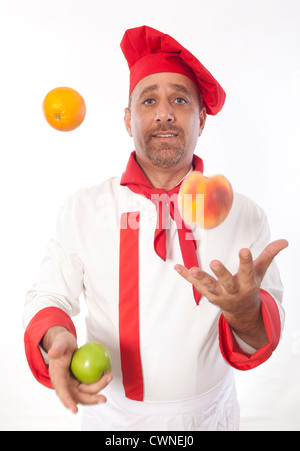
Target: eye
point(148, 102)
point(180, 100)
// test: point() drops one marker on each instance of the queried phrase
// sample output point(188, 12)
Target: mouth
point(165, 135)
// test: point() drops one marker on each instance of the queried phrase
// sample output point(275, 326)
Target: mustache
point(164, 128)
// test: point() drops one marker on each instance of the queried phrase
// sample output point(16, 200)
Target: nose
point(164, 112)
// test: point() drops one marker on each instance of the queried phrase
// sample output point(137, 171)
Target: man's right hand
point(60, 345)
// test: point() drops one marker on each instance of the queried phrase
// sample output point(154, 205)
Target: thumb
point(62, 344)
point(264, 260)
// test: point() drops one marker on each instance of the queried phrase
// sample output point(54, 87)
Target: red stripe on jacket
point(129, 331)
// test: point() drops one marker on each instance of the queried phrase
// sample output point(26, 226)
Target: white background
point(252, 48)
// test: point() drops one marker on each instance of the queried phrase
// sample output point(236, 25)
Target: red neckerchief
point(136, 181)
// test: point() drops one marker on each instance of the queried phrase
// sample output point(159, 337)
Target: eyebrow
point(148, 89)
point(175, 86)
point(179, 88)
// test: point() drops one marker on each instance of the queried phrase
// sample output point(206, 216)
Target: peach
point(205, 201)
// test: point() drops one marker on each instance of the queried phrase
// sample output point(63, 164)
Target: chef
point(178, 307)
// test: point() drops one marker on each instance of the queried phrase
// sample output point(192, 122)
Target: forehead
point(165, 81)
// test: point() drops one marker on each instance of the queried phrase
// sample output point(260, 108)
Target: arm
point(54, 298)
point(47, 316)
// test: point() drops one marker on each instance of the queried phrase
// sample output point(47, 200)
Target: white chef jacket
point(183, 347)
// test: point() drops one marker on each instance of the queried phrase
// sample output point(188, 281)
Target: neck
point(164, 178)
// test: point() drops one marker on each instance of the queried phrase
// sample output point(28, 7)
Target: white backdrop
point(252, 48)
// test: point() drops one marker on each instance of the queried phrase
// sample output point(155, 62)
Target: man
point(177, 308)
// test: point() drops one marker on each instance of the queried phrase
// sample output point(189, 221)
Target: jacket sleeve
point(271, 293)
point(36, 329)
point(54, 298)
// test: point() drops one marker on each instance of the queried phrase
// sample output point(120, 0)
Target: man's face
point(165, 119)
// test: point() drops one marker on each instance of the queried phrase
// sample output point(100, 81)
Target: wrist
point(244, 321)
point(249, 328)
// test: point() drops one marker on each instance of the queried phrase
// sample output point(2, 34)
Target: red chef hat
point(148, 51)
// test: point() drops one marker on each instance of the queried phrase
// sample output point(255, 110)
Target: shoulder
point(244, 206)
point(92, 195)
point(246, 215)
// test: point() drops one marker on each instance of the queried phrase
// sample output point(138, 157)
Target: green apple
point(90, 362)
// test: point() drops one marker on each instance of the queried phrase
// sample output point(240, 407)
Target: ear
point(127, 120)
point(202, 119)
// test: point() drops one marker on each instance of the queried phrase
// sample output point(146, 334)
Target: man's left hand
point(237, 295)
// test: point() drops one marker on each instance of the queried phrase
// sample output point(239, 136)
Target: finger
point(89, 394)
point(264, 260)
point(203, 282)
point(64, 392)
point(97, 386)
point(246, 273)
point(62, 344)
point(184, 272)
point(224, 276)
point(57, 351)
point(86, 398)
point(68, 401)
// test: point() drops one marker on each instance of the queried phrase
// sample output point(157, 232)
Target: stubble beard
point(165, 155)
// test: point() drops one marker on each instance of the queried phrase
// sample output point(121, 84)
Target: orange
point(64, 109)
